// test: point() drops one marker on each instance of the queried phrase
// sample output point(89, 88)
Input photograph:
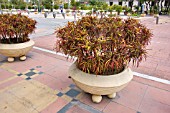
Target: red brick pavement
point(140, 96)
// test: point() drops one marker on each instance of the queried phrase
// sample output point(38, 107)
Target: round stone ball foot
point(10, 59)
point(96, 98)
point(113, 95)
point(22, 58)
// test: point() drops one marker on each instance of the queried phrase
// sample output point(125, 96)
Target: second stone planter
point(16, 50)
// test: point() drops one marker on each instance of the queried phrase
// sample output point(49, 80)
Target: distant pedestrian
point(61, 10)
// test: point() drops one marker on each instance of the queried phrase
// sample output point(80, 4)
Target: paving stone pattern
point(41, 83)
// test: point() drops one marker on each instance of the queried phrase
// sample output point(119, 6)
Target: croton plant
point(104, 46)
point(15, 28)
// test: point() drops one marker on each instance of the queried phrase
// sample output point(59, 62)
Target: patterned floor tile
point(72, 93)
point(60, 94)
point(80, 107)
point(31, 73)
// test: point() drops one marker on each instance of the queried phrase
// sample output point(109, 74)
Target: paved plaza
point(41, 83)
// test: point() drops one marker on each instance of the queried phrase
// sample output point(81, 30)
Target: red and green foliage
point(15, 28)
point(104, 46)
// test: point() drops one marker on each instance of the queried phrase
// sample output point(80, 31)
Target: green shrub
point(118, 9)
point(22, 7)
point(89, 7)
point(56, 6)
point(47, 6)
point(65, 5)
point(105, 6)
point(111, 15)
point(29, 7)
point(89, 13)
point(136, 15)
point(16, 7)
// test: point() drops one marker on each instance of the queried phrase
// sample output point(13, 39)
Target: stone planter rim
point(16, 50)
point(15, 46)
point(100, 80)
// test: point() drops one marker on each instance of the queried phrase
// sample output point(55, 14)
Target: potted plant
point(14, 31)
point(103, 48)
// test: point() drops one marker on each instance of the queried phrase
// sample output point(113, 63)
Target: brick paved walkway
point(158, 61)
point(41, 84)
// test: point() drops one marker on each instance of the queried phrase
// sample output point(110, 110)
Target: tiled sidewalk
point(41, 85)
point(158, 61)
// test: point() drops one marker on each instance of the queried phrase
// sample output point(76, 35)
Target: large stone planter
point(16, 50)
point(99, 85)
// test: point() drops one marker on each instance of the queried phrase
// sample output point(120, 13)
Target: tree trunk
point(158, 6)
point(131, 3)
point(139, 5)
point(161, 5)
point(146, 5)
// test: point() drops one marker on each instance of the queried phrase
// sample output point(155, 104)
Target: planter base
point(113, 95)
point(96, 98)
point(22, 58)
point(10, 59)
